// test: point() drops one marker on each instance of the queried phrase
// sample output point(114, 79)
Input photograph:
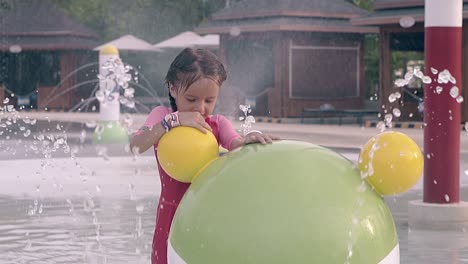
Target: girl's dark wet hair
point(191, 65)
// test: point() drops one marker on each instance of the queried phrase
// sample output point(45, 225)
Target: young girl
point(194, 79)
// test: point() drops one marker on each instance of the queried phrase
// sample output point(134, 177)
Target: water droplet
point(111, 97)
point(130, 104)
point(447, 198)
point(91, 124)
point(428, 156)
point(454, 91)
point(396, 112)
point(6, 100)
point(466, 172)
point(27, 133)
point(401, 82)
point(435, 182)
point(99, 129)
point(452, 79)
point(434, 71)
point(388, 119)
point(459, 99)
point(439, 89)
point(410, 115)
point(381, 126)
point(250, 119)
point(139, 208)
point(444, 76)
point(391, 98)
point(123, 100)
point(129, 92)
point(426, 80)
point(100, 95)
point(408, 76)
point(417, 72)
point(421, 107)
point(82, 136)
point(362, 187)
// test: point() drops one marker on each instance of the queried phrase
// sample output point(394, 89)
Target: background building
point(284, 56)
point(401, 33)
point(40, 50)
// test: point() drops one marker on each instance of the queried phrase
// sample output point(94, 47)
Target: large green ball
point(287, 202)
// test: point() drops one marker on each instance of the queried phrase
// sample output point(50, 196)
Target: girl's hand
point(257, 136)
point(195, 120)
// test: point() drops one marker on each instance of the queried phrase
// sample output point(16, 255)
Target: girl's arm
point(154, 129)
point(146, 137)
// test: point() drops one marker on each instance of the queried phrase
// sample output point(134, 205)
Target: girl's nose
point(199, 107)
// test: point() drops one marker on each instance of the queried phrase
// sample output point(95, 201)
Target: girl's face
point(200, 97)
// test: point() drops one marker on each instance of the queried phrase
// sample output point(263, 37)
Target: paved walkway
point(335, 136)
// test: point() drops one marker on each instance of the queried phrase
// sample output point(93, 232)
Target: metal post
point(443, 51)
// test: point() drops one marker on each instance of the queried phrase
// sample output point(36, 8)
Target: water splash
point(247, 118)
point(117, 78)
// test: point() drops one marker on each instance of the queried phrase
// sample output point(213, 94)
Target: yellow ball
point(391, 162)
point(185, 151)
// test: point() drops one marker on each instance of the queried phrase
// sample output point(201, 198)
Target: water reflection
point(111, 232)
point(428, 246)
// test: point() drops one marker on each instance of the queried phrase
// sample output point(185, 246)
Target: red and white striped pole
point(443, 50)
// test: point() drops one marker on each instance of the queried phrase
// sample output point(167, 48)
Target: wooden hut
point(284, 56)
point(40, 48)
point(401, 28)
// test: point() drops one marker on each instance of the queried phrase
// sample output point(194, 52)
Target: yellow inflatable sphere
point(391, 162)
point(184, 151)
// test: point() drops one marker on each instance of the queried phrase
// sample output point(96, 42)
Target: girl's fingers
point(201, 128)
point(274, 137)
point(206, 126)
point(268, 139)
point(261, 139)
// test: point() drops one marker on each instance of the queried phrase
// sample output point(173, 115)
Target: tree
point(364, 4)
point(152, 20)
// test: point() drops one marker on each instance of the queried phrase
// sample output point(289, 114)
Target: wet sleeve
point(227, 133)
point(156, 115)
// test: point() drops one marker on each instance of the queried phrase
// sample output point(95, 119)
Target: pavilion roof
point(391, 11)
point(38, 25)
point(285, 15)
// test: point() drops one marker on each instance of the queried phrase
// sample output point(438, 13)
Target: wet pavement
point(96, 204)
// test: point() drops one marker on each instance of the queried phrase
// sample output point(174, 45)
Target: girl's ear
point(172, 91)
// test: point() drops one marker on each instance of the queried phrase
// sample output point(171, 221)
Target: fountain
point(113, 76)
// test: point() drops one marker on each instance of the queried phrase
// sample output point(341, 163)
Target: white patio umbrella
point(130, 43)
point(180, 41)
